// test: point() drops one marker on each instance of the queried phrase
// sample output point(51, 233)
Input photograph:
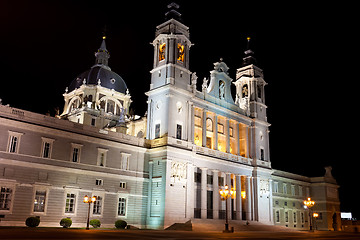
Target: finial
point(104, 37)
point(221, 59)
point(248, 38)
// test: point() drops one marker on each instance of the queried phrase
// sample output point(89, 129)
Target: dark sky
point(308, 54)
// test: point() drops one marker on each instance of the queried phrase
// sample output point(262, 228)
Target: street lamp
point(309, 204)
point(89, 201)
point(315, 215)
point(224, 195)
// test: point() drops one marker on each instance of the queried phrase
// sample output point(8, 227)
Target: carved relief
point(264, 186)
point(178, 170)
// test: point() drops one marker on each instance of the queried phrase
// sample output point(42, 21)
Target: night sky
point(307, 52)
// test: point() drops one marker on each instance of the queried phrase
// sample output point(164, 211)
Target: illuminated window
point(245, 91)
point(181, 52)
point(14, 142)
point(46, 148)
point(101, 159)
point(5, 198)
point(124, 164)
point(70, 203)
point(162, 48)
point(39, 201)
point(75, 152)
point(122, 206)
point(97, 205)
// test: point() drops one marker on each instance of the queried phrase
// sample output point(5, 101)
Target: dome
point(100, 71)
point(108, 79)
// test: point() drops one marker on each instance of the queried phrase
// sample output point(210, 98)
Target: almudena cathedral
point(164, 168)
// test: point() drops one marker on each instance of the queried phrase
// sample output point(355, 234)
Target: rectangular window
point(221, 181)
point(70, 203)
point(220, 128)
point(75, 152)
point(99, 182)
point(123, 185)
point(157, 130)
point(294, 217)
point(300, 191)
point(75, 155)
point(124, 161)
point(46, 147)
point(262, 154)
point(197, 121)
point(101, 158)
point(293, 190)
point(5, 198)
point(14, 142)
point(93, 122)
point(286, 216)
point(276, 187)
point(209, 179)
point(302, 217)
point(178, 131)
point(97, 205)
point(277, 216)
point(284, 188)
point(122, 206)
point(39, 201)
point(197, 177)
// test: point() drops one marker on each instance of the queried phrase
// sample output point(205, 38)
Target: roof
point(108, 79)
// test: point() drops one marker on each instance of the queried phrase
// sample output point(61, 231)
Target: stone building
point(161, 169)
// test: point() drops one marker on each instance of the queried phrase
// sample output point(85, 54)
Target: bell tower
point(170, 87)
point(250, 83)
point(171, 52)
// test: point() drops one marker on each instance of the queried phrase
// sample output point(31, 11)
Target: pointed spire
point(173, 13)
point(102, 55)
point(249, 55)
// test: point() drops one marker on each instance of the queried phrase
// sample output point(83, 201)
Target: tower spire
point(249, 54)
point(102, 55)
point(172, 12)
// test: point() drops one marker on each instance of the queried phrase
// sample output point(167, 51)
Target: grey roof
point(108, 79)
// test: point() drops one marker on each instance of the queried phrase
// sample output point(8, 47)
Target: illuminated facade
point(165, 168)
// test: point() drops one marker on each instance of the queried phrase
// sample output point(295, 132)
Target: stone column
point(190, 191)
point(248, 201)
point(215, 133)
point(204, 128)
point(227, 127)
point(238, 197)
point(203, 193)
point(216, 194)
point(228, 182)
point(191, 124)
point(237, 130)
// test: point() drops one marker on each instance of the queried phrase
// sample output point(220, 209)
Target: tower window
point(157, 130)
point(178, 131)
point(245, 91)
point(162, 48)
point(181, 52)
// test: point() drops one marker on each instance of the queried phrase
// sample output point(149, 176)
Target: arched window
point(209, 124)
point(245, 91)
point(110, 106)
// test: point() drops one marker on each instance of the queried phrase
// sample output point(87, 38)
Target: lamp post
point(309, 204)
point(315, 215)
point(89, 201)
point(224, 195)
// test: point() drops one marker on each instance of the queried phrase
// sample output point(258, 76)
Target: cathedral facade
point(164, 168)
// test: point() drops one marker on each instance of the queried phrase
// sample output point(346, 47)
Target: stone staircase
point(206, 225)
